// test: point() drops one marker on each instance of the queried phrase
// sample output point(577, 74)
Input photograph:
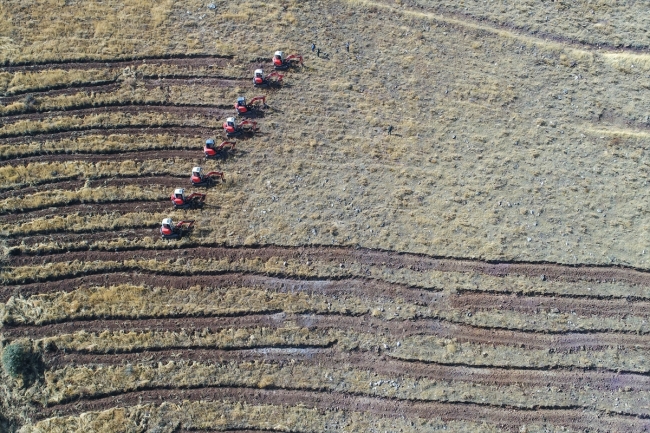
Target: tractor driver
point(258, 78)
point(241, 105)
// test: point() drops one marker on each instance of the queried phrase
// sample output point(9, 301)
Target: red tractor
point(199, 178)
point(182, 201)
point(282, 62)
point(273, 79)
point(254, 105)
point(211, 150)
point(231, 127)
point(169, 230)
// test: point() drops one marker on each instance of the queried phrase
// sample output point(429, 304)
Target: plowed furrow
point(393, 260)
point(195, 153)
point(107, 86)
point(177, 59)
point(148, 179)
point(509, 418)
point(82, 239)
point(87, 208)
point(534, 304)
point(362, 324)
point(125, 107)
point(191, 131)
point(564, 380)
point(63, 89)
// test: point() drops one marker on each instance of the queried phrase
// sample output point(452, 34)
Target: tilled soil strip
point(187, 131)
point(149, 179)
point(368, 257)
point(87, 209)
point(509, 418)
point(565, 380)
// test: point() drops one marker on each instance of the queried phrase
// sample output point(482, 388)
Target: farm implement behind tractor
point(199, 178)
point(274, 79)
point(169, 230)
point(255, 105)
point(281, 62)
point(232, 128)
point(182, 201)
point(211, 150)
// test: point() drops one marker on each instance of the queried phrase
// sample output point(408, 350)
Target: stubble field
point(483, 268)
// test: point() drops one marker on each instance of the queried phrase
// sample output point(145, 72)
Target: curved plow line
point(71, 383)
point(40, 173)
point(104, 144)
point(300, 411)
point(59, 198)
point(107, 120)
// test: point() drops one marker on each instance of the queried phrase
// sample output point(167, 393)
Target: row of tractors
point(231, 128)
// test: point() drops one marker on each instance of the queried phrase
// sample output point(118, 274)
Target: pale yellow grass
point(43, 172)
point(132, 93)
point(82, 223)
point(113, 143)
point(105, 120)
point(142, 301)
point(104, 194)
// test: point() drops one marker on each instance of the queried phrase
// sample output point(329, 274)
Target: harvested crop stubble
point(84, 195)
point(229, 415)
point(70, 383)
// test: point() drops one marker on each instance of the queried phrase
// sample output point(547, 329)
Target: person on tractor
point(240, 105)
point(229, 126)
point(167, 228)
point(178, 197)
point(278, 59)
point(258, 77)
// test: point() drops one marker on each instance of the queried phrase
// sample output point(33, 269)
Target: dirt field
point(483, 268)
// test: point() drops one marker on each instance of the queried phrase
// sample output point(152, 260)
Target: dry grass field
point(483, 268)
